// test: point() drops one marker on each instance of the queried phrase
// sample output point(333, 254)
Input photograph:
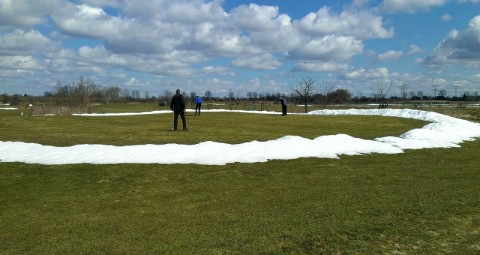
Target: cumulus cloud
point(319, 67)
point(19, 62)
point(164, 37)
point(389, 55)
point(409, 6)
point(218, 70)
point(78, 20)
point(26, 12)
point(366, 74)
point(446, 17)
point(359, 24)
point(23, 42)
point(414, 49)
point(328, 48)
point(459, 47)
point(255, 17)
point(155, 30)
point(260, 62)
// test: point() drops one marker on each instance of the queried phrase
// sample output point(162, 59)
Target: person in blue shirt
point(198, 105)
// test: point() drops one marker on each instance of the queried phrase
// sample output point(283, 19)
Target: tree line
point(81, 93)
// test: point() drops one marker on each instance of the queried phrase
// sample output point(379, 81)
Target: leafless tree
point(305, 89)
point(125, 94)
point(167, 96)
point(208, 94)
point(326, 91)
point(231, 95)
point(382, 90)
point(111, 93)
point(442, 93)
point(404, 90)
point(77, 95)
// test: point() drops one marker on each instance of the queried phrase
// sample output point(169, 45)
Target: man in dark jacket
point(283, 101)
point(178, 107)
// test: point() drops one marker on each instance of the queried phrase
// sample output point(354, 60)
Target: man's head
point(178, 91)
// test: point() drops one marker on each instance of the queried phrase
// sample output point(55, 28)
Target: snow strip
point(442, 132)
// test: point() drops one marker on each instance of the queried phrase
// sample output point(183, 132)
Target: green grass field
point(419, 202)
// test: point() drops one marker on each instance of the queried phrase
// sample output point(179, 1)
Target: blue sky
point(241, 46)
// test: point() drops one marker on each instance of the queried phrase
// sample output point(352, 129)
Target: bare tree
point(208, 94)
point(442, 93)
point(326, 92)
point(382, 90)
point(193, 95)
point(125, 94)
point(167, 96)
point(305, 89)
point(404, 90)
point(111, 93)
point(231, 95)
point(147, 96)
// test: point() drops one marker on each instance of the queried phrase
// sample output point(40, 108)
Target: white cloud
point(23, 42)
point(366, 75)
point(319, 67)
point(26, 12)
point(414, 49)
point(459, 47)
point(409, 6)
point(389, 55)
point(19, 63)
point(328, 48)
point(260, 62)
point(446, 17)
point(219, 70)
point(359, 24)
point(255, 17)
point(79, 20)
point(15, 73)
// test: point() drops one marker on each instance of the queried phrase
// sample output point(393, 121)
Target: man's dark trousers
point(175, 120)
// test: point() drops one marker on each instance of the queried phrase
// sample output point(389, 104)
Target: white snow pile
point(442, 132)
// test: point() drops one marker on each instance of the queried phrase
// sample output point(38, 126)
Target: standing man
point(198, 105)
point(178, 107)
point(283, 101)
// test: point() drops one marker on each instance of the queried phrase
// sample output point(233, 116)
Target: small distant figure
point(198, 105)
point(283, 101)
point(178, 107)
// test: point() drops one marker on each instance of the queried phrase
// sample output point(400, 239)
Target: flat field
point(419, 202)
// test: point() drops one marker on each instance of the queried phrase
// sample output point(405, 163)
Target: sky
point(441, 132)
point(240, 46)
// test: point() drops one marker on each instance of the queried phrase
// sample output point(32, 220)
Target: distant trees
point(81, 94)
point(208, 94)
point(75, 95)
point(111, 93)
point(325, 93)
point(339, 96)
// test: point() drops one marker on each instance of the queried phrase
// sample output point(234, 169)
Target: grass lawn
point(420, 202)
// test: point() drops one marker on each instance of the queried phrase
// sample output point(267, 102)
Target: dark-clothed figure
point(178, 107)
point(283, 101)
point(198, 105)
